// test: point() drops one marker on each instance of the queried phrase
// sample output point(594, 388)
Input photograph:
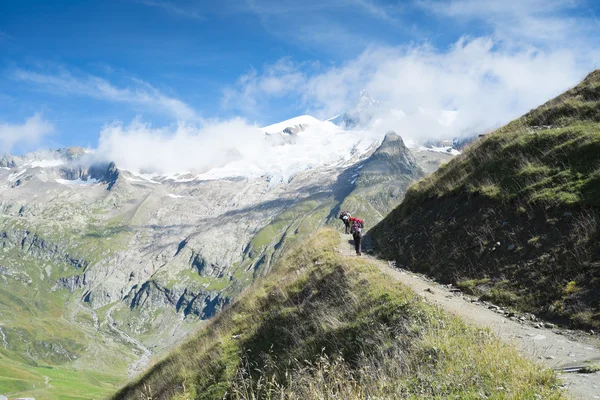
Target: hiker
point(345, 216)
point(357, 226)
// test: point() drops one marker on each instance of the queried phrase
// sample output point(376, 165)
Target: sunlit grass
point(327, 326)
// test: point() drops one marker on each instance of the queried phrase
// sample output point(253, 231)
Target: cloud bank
point(486, 83)
point(232, 148)
point(141, 148)
point(28, 134)
point(525, 52)
point(426, 94)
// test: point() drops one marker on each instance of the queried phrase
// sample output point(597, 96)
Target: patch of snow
point(360, 167)
point(143, 177)
point(322, 144)
point(352, 181)
point(150, 177)
point(134, 179)
point(185, 180)
point(14, 177)
point(46, 163)
point(77, 182)
point(174, 196)
point(303, 119)
point(445, 150)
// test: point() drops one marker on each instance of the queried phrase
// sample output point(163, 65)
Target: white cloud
point(538, 49)
point(140, 148)
point(142, 94)
point(28, 134)
point(540, 22)
point(228, 148)
point(252, 89)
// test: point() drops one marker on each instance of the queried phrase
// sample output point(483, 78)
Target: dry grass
point(327, 326)
point(550, 156)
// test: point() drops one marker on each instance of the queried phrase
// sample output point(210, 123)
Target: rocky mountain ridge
point(138, 253)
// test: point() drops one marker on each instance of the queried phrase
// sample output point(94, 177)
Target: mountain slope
point(514, 218)
point(325, 325)
point(96, 260)
point(380, 182)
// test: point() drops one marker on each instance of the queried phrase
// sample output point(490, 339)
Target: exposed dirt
point(554, 348)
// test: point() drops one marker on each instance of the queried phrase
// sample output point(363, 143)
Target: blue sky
point(69, 69)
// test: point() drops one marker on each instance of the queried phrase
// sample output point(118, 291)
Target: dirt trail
point(548, 346)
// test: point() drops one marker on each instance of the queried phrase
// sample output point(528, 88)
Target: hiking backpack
point(357, 225)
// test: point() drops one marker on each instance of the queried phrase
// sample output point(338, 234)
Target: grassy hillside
point(322, 325)
point(19, 379)
point(515, 217)
point(49, 346)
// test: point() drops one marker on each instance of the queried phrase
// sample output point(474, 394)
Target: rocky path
point(534, 339)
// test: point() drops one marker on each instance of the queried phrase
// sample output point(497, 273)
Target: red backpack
point(357, 224)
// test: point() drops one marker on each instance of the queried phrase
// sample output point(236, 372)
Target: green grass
point(556, 167)
point(590, 369)
point(22, 380)
point(280, 224)
point(32, 315)
point(550, 156)
point(47, 334)
point(469, 286)
point(533, 185)
point(322, 325)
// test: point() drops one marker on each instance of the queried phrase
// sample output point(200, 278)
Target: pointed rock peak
point(392, 158)
point(363, 111)
point(393, 146)
point(392, 136)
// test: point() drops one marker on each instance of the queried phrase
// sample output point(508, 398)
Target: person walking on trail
point(356, 229)
point(345, 217)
